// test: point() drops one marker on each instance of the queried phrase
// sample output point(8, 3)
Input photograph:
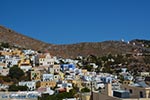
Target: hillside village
point(29, 74)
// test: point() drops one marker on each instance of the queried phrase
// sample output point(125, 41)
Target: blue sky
point(73, 21)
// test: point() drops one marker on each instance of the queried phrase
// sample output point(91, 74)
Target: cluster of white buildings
point(49, 75)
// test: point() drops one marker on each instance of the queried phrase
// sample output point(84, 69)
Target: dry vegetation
point(72, 50)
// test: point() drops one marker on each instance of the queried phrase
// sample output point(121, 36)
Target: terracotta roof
point(62, 89)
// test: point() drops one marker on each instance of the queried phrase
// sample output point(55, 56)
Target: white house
point(2, 59)
point(86, 78)
point(70, 75)
point(28, 52)
point(145, 74)
point(127, 76)
point(25, 67)
point(46, 59)
point(30, 84)
point(3, 86)
point(124, 70)
point(12, 61)
point(48, 77)
point(4, 72)
point(99, 85)
point(70, 61)
point(93, 65)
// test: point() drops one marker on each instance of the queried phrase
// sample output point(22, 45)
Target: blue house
point(67, 67)
point(106, 79)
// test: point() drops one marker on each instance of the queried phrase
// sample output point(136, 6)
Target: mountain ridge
point(67, 50)
point(20, 40)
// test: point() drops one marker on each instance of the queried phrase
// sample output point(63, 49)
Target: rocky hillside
point(71, 50)
point(99, 49)
point(19, 40)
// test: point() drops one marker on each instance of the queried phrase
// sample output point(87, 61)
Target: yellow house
point(12, 52)
point(78, 83)
point(46, 84)
point(35, 75)
point(61, 75)
point(24, 62)
point(6, 53)
point(84, 71)
point(22, 56)
point(2, 65)
point(137, 91)
point(17, 52)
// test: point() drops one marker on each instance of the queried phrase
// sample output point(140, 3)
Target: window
point(130, 90)
point(141, 94)
point(69, 86)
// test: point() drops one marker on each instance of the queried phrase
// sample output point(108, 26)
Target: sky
point(74, 21)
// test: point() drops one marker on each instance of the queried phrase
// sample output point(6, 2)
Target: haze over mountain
point(69, 50)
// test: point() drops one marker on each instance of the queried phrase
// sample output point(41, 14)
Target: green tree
point(1, 48)
point(5, 45)
point(147, 59)
point(89, 67)
point(15, 72)
point(98, 69)
point(92, 58)
point(17, 88)
point(6, 78)
point(107, 70)
point(58, 96)
point(85, 90)
point(74, 91)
